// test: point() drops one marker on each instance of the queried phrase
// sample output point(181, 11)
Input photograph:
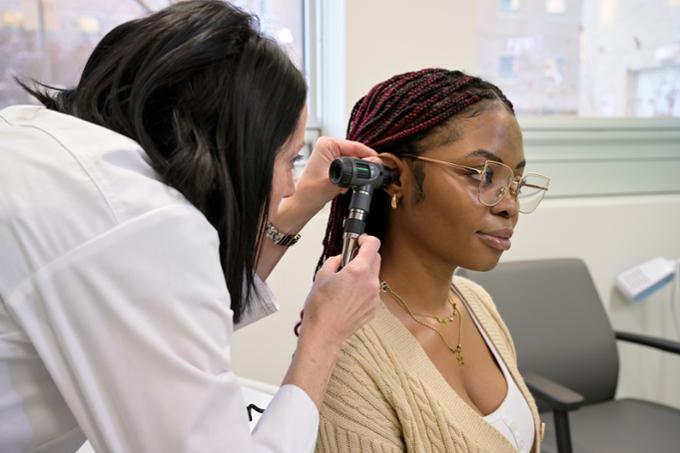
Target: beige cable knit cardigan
point(386, 396)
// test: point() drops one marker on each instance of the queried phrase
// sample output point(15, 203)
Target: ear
point(398, 165)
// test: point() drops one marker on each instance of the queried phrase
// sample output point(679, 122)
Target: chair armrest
point(645, 340)
point(555, 395)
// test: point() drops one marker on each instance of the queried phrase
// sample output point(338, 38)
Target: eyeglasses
point(497, 179)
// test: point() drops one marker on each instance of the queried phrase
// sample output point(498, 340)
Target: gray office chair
point(567, 354)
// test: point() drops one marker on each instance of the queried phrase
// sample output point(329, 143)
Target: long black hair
point(211, 101)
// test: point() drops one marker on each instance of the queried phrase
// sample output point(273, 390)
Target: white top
point(513, 417)
point(114, 314)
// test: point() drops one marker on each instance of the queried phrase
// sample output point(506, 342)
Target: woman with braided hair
point(436, 370)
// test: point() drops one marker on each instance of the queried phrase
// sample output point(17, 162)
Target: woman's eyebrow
point(485, 154)
point(491, 156)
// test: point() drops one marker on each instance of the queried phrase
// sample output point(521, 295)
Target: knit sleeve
point(356, 415)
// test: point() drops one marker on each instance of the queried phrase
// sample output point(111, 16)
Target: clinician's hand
point(340, 302)
point(314, 187)
point(312, 191)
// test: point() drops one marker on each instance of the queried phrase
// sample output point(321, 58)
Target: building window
point(555, 6)
point(509, 5)
point(609, 58)
point(50, 40)
point(656, 92)
point(506, 68)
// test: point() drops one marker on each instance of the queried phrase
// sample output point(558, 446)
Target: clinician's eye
point(295, 160)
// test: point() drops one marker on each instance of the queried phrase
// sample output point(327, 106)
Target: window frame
point(324, 32)
point(593, 157)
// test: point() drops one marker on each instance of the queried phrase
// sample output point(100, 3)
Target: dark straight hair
point(211, 101)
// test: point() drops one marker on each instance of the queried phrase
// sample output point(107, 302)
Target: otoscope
point(362, 177)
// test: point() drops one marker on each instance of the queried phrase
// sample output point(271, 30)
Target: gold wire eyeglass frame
point(513, 185)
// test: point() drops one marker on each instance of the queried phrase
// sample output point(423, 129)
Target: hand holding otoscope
point(363, 177)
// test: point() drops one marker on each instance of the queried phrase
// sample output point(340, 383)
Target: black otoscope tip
point(341, 172)
point(353, 172)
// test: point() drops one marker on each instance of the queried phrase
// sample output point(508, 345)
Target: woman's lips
point(495, 241)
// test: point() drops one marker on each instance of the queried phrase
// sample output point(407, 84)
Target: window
point(283, 20)
point(656, 92)
point(509, 5)
point(50, 40)
point(609, 58)
point(555, 6)
point(507, 67)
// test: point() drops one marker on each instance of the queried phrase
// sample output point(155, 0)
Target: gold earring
point(395, 201)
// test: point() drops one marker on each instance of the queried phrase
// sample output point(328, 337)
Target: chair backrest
point(557, 321)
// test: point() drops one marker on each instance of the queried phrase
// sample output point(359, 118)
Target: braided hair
point(398, 116)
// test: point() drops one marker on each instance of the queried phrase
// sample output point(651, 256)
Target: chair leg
point(562, 432)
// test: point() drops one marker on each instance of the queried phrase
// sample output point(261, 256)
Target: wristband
point(279, 238)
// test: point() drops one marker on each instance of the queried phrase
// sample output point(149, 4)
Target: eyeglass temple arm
point(448, 164)
point(533, 186)
point(476, 170)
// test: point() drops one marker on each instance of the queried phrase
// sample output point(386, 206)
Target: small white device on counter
point(642, 280)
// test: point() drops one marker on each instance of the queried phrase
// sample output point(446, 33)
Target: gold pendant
point(444, 320)
point(459, 355)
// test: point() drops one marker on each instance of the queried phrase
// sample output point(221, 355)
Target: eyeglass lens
point(497, 179)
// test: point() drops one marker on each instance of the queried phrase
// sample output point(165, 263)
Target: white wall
point(611, 233)
point(388, 37)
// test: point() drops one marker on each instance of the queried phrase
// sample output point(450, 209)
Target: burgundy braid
point(398, 112)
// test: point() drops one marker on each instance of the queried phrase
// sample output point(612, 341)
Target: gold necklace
point(458, 349)
point(443, 320)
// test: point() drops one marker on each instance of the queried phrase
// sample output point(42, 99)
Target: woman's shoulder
point(475, 293)
point(364, 392)
point(369, 345)
point(485, 309)
point(373, 359)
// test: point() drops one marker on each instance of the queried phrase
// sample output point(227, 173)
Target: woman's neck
point(418, 277)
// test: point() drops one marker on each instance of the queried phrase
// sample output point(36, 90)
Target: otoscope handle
point(361, 198)
point(355, 223)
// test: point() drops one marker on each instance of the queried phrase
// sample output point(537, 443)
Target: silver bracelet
point(279, 238)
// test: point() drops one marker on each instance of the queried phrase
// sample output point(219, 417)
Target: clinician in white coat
point(133, 211)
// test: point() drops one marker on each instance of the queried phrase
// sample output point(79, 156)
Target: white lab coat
point(115, 323)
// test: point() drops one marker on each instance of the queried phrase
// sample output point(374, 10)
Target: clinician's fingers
point(369, 245)
point(367, 254)
point(374, 159)
point(351, 148)
point(330, 266)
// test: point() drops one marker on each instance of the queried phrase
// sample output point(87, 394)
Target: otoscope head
point(352, 172)
point(362, 177)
